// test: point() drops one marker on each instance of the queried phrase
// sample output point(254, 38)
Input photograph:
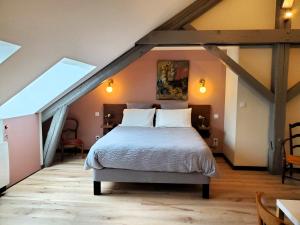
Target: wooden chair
point(289, 160)
point(265, 217)
point(69, 137)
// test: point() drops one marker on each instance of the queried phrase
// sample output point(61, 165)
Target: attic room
point(107, 106)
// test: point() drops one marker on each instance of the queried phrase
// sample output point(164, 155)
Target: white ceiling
point(94, 32)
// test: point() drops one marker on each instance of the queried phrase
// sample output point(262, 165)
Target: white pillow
point(138, 117)
point(173, 118)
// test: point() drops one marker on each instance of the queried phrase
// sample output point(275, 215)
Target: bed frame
point(132, 176)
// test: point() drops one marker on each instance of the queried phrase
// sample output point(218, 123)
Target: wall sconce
point(202, 88)
point(109, 88)
point(287, 5)
point(288, 14)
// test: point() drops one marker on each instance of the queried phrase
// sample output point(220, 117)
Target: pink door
point(23, 137)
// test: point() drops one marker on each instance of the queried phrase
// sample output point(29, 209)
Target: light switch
point(97, 114)
point(243, 104)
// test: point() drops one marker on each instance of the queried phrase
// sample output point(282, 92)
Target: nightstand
point(203, 131)
point(106, 128)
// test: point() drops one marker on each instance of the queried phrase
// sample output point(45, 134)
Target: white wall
point(252, 128)
point(230, 111)
point(93, 31)
point(246, 123)
point(293, 106)
point(247, 143)
point(253, 111)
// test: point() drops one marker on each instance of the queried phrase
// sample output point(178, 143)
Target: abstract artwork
point(172, 80)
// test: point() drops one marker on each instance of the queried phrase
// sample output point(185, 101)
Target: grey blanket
point(152, 149)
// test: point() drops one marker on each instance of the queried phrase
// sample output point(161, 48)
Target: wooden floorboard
point(62, 194)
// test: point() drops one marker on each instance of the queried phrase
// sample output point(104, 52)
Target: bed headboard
point(203, 110)
point(116, 110)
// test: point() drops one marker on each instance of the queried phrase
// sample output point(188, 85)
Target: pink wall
point(24, 146)
point(137, 83)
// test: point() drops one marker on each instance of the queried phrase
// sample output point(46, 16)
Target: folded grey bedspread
point(152, 149)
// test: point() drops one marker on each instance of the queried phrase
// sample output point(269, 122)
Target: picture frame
point(172, 80)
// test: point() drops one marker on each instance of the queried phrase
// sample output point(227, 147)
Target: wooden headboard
point(116, 110)
point(203, 110)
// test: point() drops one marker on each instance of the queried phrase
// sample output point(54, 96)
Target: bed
point(152, 155)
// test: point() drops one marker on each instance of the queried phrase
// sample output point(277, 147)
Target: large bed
point(152, 155)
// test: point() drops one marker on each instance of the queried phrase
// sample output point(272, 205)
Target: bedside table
point(203, 131)
point(106, 128)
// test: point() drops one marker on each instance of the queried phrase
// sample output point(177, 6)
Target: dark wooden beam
point(293, 91)
point(189, 27)
point(221, 37)
point(53, 136)
point(189, 14)
point(241, 72)
point(116, 66)
point(280, 62)
point(295, 46)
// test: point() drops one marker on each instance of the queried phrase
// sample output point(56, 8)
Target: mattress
point(152, 149)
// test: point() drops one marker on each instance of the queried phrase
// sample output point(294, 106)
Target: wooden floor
point(62, 195)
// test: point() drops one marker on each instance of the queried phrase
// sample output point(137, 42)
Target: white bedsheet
point(152, 149)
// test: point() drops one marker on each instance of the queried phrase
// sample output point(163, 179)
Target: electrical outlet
point(215, 142)
point(97, 137)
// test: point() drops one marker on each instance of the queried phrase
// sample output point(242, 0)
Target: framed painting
point(172, 80)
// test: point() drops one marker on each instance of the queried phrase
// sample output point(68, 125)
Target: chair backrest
point(70, 129)
point(294, 136)
point(265, 217)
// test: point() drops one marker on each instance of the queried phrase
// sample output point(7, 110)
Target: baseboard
point(9, 186)
point(218, 154)
point(2, 190)
point(251, 168)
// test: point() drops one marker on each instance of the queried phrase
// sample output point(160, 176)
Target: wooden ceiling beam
point(241, 72)
point(189, 27)
point(187, 15)
point(293, 91)
point(222, 37)
point(54, 135)
point(117, 65)
point(279, 80)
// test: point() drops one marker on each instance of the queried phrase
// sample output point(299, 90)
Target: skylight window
point(7, 49)
point(47, 88)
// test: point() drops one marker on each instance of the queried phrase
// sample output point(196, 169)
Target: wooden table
point(290, 209)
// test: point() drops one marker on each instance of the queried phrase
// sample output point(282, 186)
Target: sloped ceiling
point(93, 31)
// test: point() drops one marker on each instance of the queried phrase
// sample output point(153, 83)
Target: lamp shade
point(202, 90)
point(109, 89)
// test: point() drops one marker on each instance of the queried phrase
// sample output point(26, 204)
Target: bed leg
point(97, 188)
point(205, 191)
